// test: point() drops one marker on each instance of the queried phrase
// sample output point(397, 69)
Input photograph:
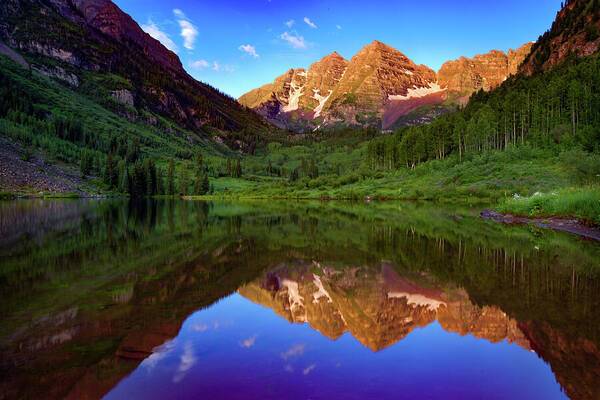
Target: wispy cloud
point(247, 343)
point(189, 32)
point(339, 27)
point(294, 40)
point(218, 67)
point(153, 30)
point(186, 361)
point(294, 351)
point(249, 49)
point(158, 354)
point(310, 23)
point(200, 64)
point(290, 23)
point(308, 369)
point(179, 14)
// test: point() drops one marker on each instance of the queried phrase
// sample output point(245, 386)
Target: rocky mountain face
point(575, 31)
point(298, 94)
point(378, 82)
point(378, 87)
point(464, 76)
point(70, 40)
point(377, 306)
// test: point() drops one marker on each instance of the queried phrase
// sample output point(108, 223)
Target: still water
point(269, 300)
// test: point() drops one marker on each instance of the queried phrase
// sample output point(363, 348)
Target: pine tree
point(294, 175)
point(124, 184)
point(171, 178)
point(238, 169)
point(160, 181)
point(184, 182)
point(111, 176)
point(85, 164)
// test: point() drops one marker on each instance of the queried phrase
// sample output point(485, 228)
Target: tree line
point(559, 108)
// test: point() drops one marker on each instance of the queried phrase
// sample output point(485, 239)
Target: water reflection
point(102, 298)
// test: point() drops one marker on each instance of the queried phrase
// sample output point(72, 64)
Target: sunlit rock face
point(365, 91)
point(376, 88)
point(465, 76)
point(376, 306)
point(299, 94)
point(573, 33)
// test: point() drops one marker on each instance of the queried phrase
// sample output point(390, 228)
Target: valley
point(376, 126)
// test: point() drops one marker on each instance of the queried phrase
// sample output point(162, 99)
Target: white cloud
point(153, 30)
point(189, 32)
point(158, 354)
point(339, 27)
point(310, 23)
point(294, 351)
point(186, 361)
point(179, 14)
point(247, 343)
point(200, 64)
point(249, 49)
point(308, 369)
point(290, 23)
point(218, 67)
point(294, 40)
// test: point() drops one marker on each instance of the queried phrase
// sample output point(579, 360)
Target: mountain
point(380, 84)
point(378, 87)
point(465, 76)
point(575, 31)
point(95, 48)
point(298, 94)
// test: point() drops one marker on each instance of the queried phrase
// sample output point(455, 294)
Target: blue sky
point(238, 45)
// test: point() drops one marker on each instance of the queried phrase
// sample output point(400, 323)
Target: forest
point(551, 119)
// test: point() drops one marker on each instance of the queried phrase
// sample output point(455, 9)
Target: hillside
point(98, 50)
point(85, 88)
point(575, 32)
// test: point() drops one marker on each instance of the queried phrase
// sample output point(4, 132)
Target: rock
point(59, 73)
point(465, 76)
point(574, 32)
point(377, 86)
point(123, 96)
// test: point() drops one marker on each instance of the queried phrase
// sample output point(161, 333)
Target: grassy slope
point(160, 138)
point(163, 139)
point(582, 203)
point(572, 188)
point(488, 176)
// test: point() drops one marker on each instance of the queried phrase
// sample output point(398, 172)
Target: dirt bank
point(573, 226)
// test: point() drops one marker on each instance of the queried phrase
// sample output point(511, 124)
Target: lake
point(291, 300)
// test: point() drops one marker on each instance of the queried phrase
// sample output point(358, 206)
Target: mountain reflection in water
point(375, 305)
point(302, 300)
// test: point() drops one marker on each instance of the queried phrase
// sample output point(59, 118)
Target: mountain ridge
point(95, 37)
point(379, 86)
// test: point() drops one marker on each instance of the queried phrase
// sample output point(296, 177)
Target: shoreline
point(561, 224)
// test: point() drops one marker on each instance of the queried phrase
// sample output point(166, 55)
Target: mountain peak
point(464, 76)
point(335, 55)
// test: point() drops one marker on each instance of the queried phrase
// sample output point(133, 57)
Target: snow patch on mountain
point(343, 74)
point(416, 93)
point(321, 292)
point(322, 100)
point(418, 300)
point(296, 301)
point(294, 97)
